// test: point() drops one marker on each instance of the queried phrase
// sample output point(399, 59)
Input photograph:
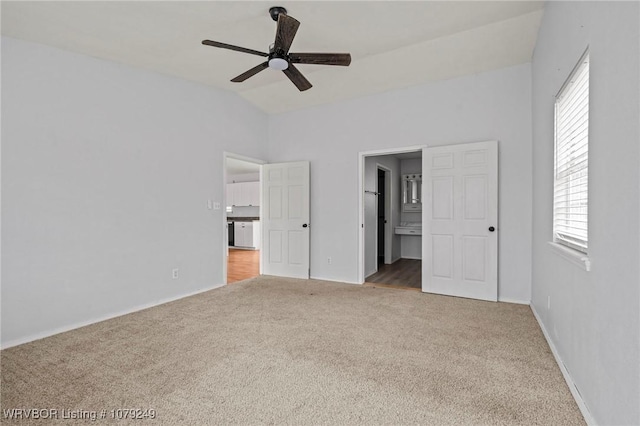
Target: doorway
point(382, 202)
point(242, 217)
point(386, 258)
point(460, 217)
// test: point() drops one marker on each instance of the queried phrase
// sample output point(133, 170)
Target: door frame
point(225, 232)
point(388, 234)
point(361, 159)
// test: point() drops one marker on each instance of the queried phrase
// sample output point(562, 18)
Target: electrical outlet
point(329, 260)
point(548, 302)
point(174, 273)
point(216, 206)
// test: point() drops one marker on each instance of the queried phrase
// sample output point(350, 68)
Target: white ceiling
point(392, 44)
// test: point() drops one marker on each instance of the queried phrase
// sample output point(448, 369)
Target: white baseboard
point(48, 333)
point(516, 301)
point(588, 418)
point(411, 257)
point(335, 281)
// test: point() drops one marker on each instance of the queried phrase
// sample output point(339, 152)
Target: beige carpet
point(281, 351)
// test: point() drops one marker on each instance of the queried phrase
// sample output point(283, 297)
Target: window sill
point(571, 255)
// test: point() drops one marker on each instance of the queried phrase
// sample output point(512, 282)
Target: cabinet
point(247, 234)
point(243, 194)
point(249, 194)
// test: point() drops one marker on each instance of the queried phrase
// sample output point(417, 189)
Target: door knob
point(304, 225)
point(491, 229)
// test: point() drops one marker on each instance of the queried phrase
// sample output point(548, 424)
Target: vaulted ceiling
point(392, 44)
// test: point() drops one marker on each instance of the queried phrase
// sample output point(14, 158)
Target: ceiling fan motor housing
point(275, 11)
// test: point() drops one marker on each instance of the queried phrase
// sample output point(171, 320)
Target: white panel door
point(460, 220)
point(285, 219)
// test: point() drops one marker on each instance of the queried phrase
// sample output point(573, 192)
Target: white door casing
point(460, 220)
point(285, 219)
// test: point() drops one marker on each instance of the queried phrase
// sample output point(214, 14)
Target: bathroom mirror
point(412, 192)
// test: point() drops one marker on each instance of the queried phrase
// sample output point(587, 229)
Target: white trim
point(570, 255)
point(360, 223)
point(360, 195)
point(391, 151)
point(335, 281)
point(588, 418)
point(412, 257)
point(515, 301)
point(225, 232)
point(58, 330)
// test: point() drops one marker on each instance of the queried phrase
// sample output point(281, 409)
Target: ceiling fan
point(279, 57)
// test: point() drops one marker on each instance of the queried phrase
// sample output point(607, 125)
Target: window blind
point(571, 195)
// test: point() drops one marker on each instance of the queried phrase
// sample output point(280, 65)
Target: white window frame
point(571, 154)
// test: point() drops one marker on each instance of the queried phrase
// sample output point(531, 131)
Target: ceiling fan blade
point(286, 31)
point(343, 59)
point(232, 47)
point(253, 71)
point(297, 78)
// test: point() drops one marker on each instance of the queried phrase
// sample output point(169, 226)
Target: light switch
point(209, 204)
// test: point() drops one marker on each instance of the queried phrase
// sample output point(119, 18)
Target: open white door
point(285, 219)
point(460, 220)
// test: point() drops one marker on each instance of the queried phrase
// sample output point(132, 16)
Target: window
point(571, 195)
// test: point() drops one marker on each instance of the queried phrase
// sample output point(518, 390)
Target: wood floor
point(405, 273)
point(242, 264)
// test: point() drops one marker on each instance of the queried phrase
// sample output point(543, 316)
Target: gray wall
point(489, 106)
point(106, 173)
point(593, 317)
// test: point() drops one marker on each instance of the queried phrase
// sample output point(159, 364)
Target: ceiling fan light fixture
point(278, 64)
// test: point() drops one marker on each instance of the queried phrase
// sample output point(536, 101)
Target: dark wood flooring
point(406, 273)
